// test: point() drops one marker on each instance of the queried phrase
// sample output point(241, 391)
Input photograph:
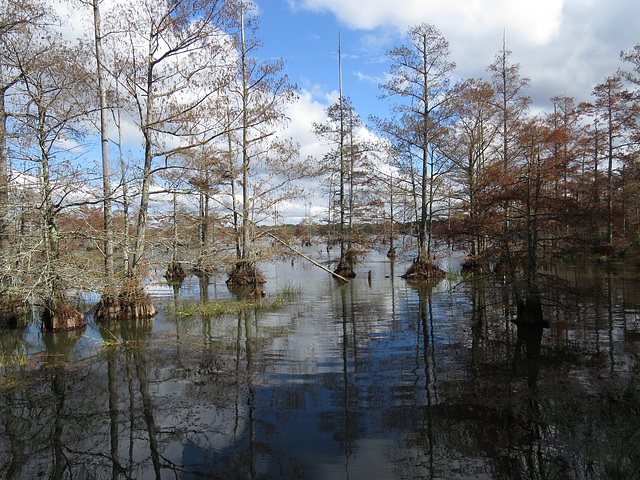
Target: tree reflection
point(427, 381)
point(108, 335)
point(530, 324)
point(426, 320)
point(346, 435)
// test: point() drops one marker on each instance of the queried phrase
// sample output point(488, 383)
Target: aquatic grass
point(218, 308)
point(453, 275)
point(624, 461)
point(111, 339)
point(289, 291)
point(16, 360)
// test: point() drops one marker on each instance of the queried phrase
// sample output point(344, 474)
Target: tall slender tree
point(612, 110)
point(104, 143)
point(419, 81)
point(340, 129)
point(261, 95)
point(512, 103)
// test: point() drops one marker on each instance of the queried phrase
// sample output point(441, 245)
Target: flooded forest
point(458, 299)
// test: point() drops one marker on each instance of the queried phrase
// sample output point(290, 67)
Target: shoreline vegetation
point(464, 165)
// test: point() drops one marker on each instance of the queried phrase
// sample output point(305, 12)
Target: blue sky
point(308, 41)
point(563, 46)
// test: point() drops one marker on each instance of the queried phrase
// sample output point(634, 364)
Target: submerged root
point(131, 303)
point(423, 270)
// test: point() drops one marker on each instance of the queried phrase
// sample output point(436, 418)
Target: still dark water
point(376, 379)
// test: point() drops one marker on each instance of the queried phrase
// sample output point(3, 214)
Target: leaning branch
point(305, 256)
point(279, 240)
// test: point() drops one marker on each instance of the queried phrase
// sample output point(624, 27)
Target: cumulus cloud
point(537, 21)
point(303, 114)
point(564, 46)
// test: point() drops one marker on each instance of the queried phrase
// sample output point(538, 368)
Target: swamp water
point(375, 379)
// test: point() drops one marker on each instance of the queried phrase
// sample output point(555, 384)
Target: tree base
point(345, 271)
point(245, 274)
point(392, 253)
point(14, 312)
point(132, 303)
point(175, 272)
point(424, 271)
point(347, 262)
point(474, 266)
point(61, 316)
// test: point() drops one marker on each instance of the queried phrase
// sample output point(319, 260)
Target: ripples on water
point(373, 379)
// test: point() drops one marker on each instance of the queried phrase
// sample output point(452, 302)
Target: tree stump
point(245, 274)
point(175, 272)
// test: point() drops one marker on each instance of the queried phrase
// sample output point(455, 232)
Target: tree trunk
point(104, 141)
point(59, 313)
point(4, 180)
point(347, 256)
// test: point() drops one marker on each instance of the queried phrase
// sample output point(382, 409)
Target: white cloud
point(564, 46)
point(376, 80)
point(538, 21)
point(304, 113)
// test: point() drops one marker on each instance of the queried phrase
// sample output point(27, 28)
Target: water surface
point(375, 379)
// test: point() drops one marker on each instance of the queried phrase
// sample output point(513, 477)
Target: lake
point(375, 379)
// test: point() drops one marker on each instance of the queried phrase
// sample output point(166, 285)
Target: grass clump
point(17, 360)
point(290, 291)
point(218, 308)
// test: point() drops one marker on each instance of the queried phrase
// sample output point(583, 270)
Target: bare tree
point(260, 98)
point(19, 22)
point(172, 70)
point(419, 80)
point(51, 123)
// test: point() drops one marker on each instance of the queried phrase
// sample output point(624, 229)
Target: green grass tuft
point(218, 308)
